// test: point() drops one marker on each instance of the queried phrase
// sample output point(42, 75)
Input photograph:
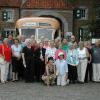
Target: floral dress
point(49, 76)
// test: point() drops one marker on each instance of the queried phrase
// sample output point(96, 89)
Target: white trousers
point(96, 72)
point(61, 80)
point(82, 70)
point(4, 68)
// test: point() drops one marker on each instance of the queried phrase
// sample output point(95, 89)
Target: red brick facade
point(10, 3)
point(59, 9)
point(47, 4)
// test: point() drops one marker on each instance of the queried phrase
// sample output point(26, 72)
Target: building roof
point(37, 4)
point(47, 4)
point(10, 3)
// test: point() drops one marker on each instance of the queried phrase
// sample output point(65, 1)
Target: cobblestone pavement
point(37, 91)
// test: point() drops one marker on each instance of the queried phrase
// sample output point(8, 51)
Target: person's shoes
point(3, 82)
point(67, 83)
point(13, 80)
point(81, 82)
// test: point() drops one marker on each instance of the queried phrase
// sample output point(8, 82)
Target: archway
point(56, 15)
point(61, 24)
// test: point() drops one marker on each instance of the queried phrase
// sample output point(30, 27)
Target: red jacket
point(6, 51)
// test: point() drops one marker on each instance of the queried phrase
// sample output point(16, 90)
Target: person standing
point(10, 43)
point(50, 52)
point(6, 52)
point(89, 70)
point(16, 59)
point(39, 57)
point(73, 61)
point(83, 55)
point(28, 61)
point(96, 61)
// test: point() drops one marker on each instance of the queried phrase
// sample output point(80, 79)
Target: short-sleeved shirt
point(16, 50)
point(72, 57)
point(61, 66)
point(50, 52)
point(96, 54)
point(28, 52)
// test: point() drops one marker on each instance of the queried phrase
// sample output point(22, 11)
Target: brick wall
point(5, 24)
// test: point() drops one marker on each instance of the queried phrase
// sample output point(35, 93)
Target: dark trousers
point(21, 70)
point(89, 72)
point(39, 69)
point(29, 71)
point(72, 73)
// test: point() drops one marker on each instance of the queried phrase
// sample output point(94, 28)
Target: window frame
point(11, 13)
point(86, 13)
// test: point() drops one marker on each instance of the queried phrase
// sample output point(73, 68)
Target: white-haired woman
point(83, 61)
point(28, 61)
point(6, 54)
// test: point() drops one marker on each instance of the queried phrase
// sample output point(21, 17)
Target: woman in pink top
point(58, 51)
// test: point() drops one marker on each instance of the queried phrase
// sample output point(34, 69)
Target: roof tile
point(47, 4)
point(10, 3)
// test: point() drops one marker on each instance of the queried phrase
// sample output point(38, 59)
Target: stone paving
point(37, 91)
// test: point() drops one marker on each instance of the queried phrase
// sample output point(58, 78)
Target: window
point(10, 15)
point(81, 13)
point(44, 24)
point(45, 33)
point(98, 12)
point(8, 31)
point(84, 12)
point(28, 32)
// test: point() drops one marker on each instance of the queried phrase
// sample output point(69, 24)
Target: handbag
point(2, 60)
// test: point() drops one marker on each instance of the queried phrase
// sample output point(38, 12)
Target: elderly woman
point(50, 52)
point(83, 55)
point(39, 55)
point(28, 61)
point(50, 73)
point(46, 43)
point(96, 61)
point(73, 61)
point(6, 54)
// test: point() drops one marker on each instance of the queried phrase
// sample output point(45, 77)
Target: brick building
point(58, 9)
point(88, 13)
point(87, 25)
point(8, 9)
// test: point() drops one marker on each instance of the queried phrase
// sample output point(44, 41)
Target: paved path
point(37, 91)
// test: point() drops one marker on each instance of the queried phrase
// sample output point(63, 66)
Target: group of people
point(52, 62)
